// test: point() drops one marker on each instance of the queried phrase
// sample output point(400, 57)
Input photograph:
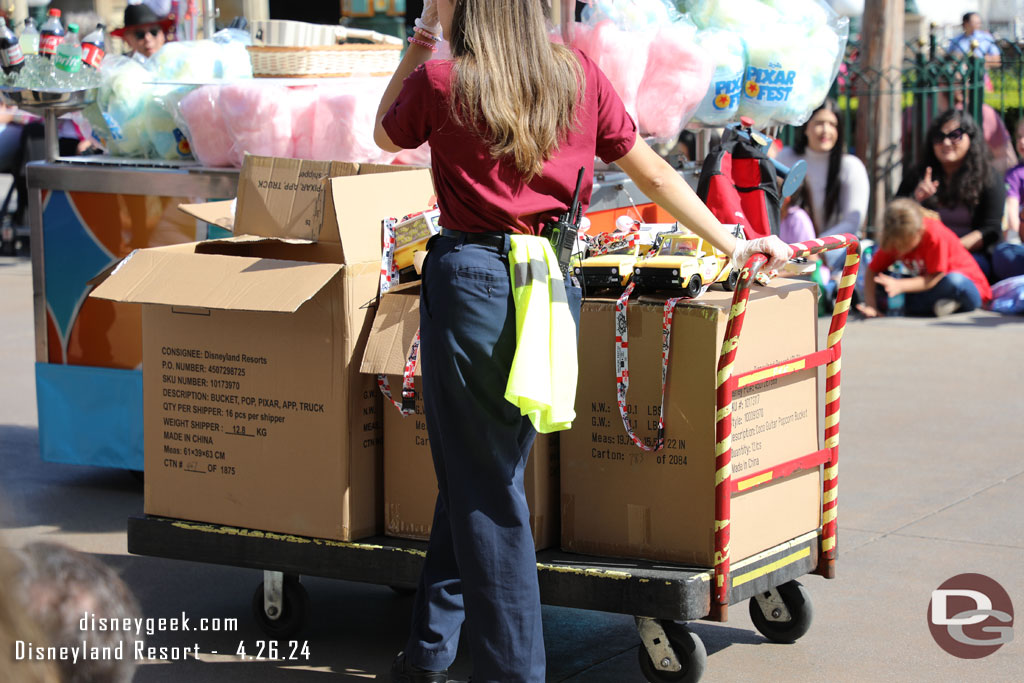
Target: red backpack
point(739, 182)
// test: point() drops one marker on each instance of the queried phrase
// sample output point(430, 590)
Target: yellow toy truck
point(612, 263)
point(611, 256)
point(684, 261)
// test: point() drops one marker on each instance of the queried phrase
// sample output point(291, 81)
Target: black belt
point(493, 239)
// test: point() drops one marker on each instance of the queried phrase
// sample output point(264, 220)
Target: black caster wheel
point(693, 286)
point(734, 279)
point(798, 601)
point(689, 649)
point(294, 608)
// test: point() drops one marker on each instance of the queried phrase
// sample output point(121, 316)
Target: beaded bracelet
point(422, 43)
point(419, 23)
point(426, 35)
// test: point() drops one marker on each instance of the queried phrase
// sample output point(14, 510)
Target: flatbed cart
point(660, 596)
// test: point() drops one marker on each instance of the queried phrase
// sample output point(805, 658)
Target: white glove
point(778, 252)
point(428, 20)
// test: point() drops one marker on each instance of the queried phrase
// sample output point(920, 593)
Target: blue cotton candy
point(722, 100)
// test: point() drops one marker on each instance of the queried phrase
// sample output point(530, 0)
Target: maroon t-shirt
point(479, 194)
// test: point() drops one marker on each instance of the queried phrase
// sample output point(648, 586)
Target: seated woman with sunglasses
point(144, 31)
point(955, 178)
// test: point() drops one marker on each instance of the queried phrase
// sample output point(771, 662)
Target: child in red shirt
point(944, 277)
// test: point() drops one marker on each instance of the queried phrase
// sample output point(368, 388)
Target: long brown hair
point(835, 160)
point(511, 83)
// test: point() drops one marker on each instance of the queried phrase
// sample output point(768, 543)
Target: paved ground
point(932, 486)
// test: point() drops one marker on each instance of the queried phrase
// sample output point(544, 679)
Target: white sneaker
point(944, 307)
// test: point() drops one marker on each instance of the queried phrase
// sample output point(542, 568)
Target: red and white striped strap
point(622, 363)
point(407, 405)
point(388, 269)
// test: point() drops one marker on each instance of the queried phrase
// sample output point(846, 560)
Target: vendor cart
point(86, 214)
point(660, 596)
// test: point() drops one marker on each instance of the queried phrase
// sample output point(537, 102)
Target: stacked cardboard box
point(410, 485)
point(619, 500)
point(255, 412)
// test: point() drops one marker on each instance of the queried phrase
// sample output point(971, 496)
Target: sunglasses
point(152, 30)
point(938, 137)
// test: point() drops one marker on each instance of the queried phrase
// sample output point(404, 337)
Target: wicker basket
point(379, 58)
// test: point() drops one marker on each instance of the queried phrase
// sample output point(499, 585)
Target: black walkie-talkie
point(562, 232)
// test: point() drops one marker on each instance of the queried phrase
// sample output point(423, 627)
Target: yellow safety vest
point(542, 382)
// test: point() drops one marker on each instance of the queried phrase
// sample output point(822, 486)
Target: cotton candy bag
point(791, 66)
point(198, 115)
point(259, 119)
point(344, 119)
point(620, 54)
point(721, 102)
point(122, 97)
point(166, 138)
point(676, 77)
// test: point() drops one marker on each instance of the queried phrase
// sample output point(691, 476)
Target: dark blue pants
point(481, 562)
point(955, 286)
point(1007, 261)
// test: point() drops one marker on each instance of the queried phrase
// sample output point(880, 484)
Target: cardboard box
point(410, 485)
point(255, 412)
point(618, 500)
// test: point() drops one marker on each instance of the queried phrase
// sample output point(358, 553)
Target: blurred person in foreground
point(144, 31)
point(511, 119)
point(58, 587)
point(16, 625)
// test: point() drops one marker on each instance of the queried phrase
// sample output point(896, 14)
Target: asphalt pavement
point(931, 486)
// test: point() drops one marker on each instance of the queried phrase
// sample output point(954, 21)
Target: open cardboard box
point(410, 485)
point(255, 412)
point(618, 500)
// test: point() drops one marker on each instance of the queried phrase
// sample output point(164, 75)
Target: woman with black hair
point(955, 178)
point(836, 188)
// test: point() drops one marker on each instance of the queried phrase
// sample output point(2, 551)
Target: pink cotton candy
point(344, 121)
point(208, 136)
point(676, 78)
point(622, 56)
point(259, 117)
point(303, 106)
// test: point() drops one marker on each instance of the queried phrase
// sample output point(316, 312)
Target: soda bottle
point(50, 34)
point(93, 47)
point(29, 39)
point(11, 57)
point(69, 52)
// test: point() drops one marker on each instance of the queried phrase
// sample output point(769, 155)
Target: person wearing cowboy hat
point(144, 31)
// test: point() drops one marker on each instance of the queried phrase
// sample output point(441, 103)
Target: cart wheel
point(693, 287)
point(689, 649)
point(798, 601)
point(294, 608)
point(734, 279)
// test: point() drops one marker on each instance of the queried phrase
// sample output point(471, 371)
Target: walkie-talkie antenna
point(574, 208)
